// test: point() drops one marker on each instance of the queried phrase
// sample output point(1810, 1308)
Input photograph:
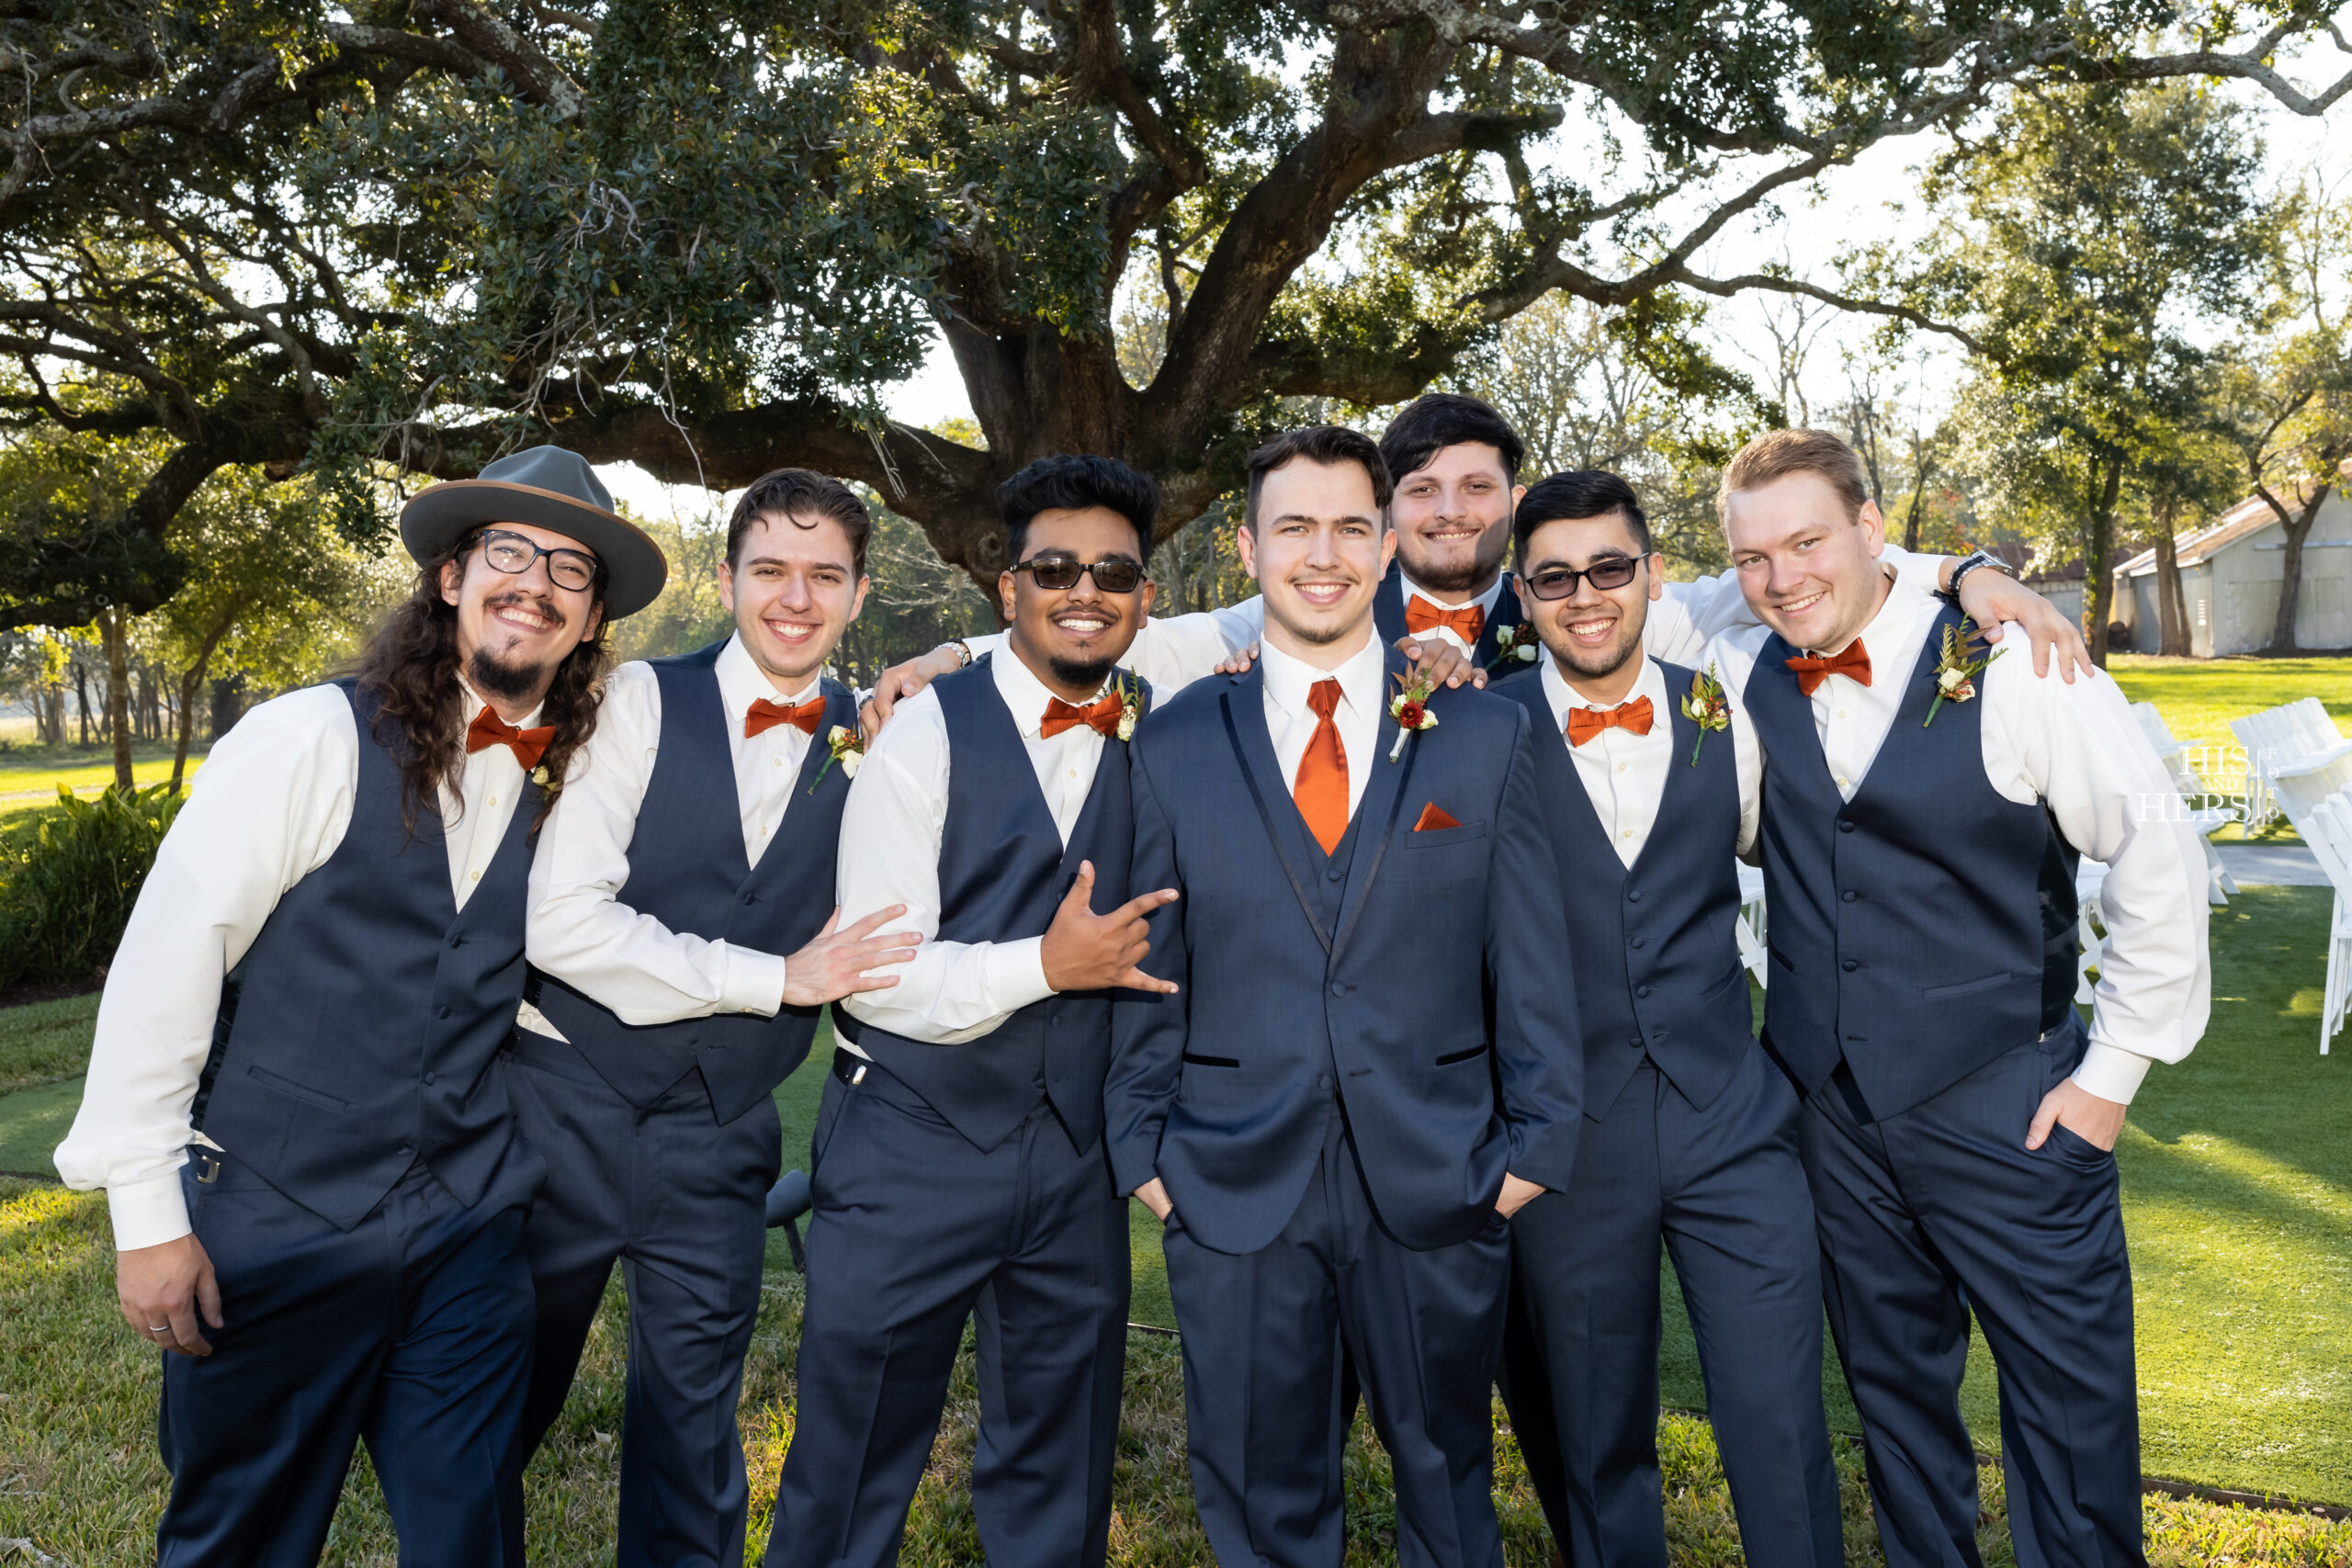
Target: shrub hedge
point(69, 875)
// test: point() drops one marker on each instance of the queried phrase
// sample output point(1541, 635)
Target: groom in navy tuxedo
point(1370, 1057)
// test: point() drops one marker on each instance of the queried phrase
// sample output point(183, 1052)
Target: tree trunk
point(2099, 589)
point(2291, 578)
point(2172, 638)
point(191, 680)
point(82, 698)
point(114, 634)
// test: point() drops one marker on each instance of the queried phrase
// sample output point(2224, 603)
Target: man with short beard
point(1373, 1061)
point(294, 1099)
point(957, 1166)
point(691, 853)
point(1922, 813)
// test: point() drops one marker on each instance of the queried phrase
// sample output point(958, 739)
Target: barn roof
point(2249, 517)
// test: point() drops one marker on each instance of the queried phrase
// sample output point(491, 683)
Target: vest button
point(1849, 966)
point(1632, 896)
point(1339, 987)
point(751, 897)
point(1641, 990)
point(1323, 1082)
point(432, 1078)
point(1844, 825)
point(1641, 941)
point(1635, 1041)
point(1847, 896)
point(456, 941)
point(443, 1011)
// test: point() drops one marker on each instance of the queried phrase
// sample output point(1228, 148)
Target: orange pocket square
point(1432, 817)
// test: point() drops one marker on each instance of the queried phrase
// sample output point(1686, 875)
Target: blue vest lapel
point(841, 708)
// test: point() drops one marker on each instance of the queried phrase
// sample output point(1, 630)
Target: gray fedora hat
point(548, 487)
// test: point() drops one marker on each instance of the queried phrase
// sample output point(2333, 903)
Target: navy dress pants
point(1723, 1190)
point(410, 1332)
point(1939, 1211)
point(1262, 1399)
point(679, 1199)
point(914, 1232)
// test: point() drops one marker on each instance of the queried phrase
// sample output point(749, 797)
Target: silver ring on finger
point(160, 1328)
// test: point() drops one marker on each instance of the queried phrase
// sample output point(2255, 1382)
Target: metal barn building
point(2230, 573)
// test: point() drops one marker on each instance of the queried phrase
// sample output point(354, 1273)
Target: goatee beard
point(514, 683)
point(1087, 673)
point(1482, 570)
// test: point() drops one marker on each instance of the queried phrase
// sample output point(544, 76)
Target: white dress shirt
point(2076, 749)
point(1291, 724)
point(1625, 775)
point(582, 930)
point(269, 808)
point(950, 992)
point(1173, 651)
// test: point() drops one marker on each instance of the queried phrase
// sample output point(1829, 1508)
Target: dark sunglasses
point(1057, 573)
point(1560, 581)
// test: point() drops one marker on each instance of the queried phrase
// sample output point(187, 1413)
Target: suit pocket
point(1964, 989)
point(1472, 1054)
point(1193, 1061)
point(293, 1091)
point(1782, 962)
point(1432, 838)
point(1738, 973)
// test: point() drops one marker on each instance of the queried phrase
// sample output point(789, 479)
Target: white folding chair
point(1748, 930)
point(2330, 838)
point(2207, 819)
point(2090, 876)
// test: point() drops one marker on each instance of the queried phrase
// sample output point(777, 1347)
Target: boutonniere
point(1410, 709)
point(1956, 672)
point(1514, 644)
point(1705, 705)
point(845, 746)
point(540, 776)
point(1130, 706)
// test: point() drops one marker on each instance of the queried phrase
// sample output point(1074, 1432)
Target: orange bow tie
point(1422, 618)
point(1854, 664)
point(489, 729)
point(764, 716)
point(1586, 723)
point(1101, 715)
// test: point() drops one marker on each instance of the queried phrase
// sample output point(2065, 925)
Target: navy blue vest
point(1921, 929)
point(361, 1030)
point(1002, 873)
point(1657, 972)
point(1388, 614)
point(687, 869)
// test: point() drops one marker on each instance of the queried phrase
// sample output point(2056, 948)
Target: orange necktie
point(1854, 663)
point(1422, 618)
point(1586, 723)
point(1321, 787)
point(489, 729)
point(1101, 715)
point(766, 716)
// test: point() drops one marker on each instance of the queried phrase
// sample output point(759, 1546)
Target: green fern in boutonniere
point(845, 746)
point(1705, 705)
point(1956, 672)
point(1410, 709)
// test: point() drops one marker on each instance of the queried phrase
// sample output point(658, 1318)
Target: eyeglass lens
point(1058, 573)
point(1559, 581)
point(513, 554)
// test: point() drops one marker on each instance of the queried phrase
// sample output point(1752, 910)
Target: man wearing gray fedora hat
point(295, 1103)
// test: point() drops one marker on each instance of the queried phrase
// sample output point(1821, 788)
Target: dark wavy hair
point(1435, 421)
point(411, 667)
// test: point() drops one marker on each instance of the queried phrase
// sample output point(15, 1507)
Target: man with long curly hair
point(295, 1101)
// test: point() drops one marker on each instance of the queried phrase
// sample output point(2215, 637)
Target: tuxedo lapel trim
point(1254, 748)
point(1383, 791)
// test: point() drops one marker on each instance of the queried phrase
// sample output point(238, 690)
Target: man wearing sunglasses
point(957, 1168)
point(683, 943)
point(295, 1100)
point(1689, 1138)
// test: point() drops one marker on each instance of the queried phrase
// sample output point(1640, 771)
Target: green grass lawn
point(30, 776)
point(2199, 697)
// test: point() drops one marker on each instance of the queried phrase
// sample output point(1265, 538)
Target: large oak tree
point(705, 236)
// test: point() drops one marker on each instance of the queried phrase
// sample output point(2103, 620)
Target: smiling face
point(513, 630)
point(1318, 552)
point(1072, 637)
point(794, 588)
point(1809, 571)
point(1594, 634)
point(1453, 518)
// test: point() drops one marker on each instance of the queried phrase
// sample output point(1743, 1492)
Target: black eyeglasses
point(1560, 581)
point(1057, 572)
point(513, 554)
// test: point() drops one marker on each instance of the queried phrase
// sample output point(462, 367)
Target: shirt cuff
point(753, 982)
point(1016, 974)
point(2112, 1073)
point(149, 1212)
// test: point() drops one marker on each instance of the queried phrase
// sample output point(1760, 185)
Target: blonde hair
point(1779, 452)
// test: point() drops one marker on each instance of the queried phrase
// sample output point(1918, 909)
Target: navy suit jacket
point(1425, 991)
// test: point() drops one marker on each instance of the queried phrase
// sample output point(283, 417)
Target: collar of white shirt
point(743, 683)
point(1486, 601)
point(1650, 684)
point(1360, 677)
point(1894, 637)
